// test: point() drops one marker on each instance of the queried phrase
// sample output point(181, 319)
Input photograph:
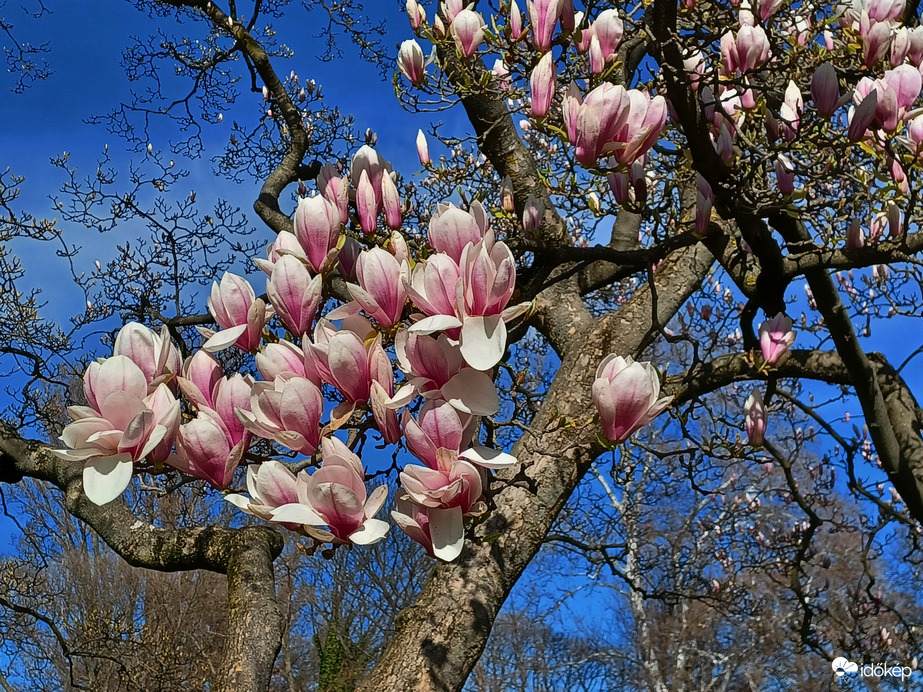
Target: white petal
point(447, 529)
point(297, 513)
point(483, 341)
point(242, 502)
point(105, 478)
point(436, 323)
point(375, 501)
point(488, 458)
point(224, 339)
point(472, 391)
point(371, 531)
point(403, 396)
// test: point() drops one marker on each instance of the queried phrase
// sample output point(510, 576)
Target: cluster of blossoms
point(609, 122)
point(445, 316)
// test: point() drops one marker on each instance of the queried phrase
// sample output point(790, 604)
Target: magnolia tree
point(649, 179)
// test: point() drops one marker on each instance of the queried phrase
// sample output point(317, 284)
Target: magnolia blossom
point(542, 83)
point(468, 31)
point(790, 113)
point(381, 291)
point(415, 13)
point(317, 227)
point(154, 353)
point(825, 90)
point(287, 410)
point(285, 244)
point(415, 520)
point(451, 229)
point(212, 445)
point(121, 425)
point(612, 119)
point(422, 148)
point(410, 61)
point(241, 315)
point(434, 368)
point(334, 496)
point(776, 337)
point(704, 200)
point(441, 435)
point(897, 91)
point(471, 295)
point(627, 395)
point(543, 15)
point(746, 51)
point(755, 418)
point(335, 190)
point(294, 294)
point(270, 485)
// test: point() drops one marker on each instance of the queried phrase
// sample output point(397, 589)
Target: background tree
point(677, 169)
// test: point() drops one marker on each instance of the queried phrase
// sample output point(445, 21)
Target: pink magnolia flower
point(422, 148)
point(897, 92)
point(442, 434)
point(855, 236)
point(270, 485)
point(449, 496)
point(755, 418)
point(317, 227)
point(790, 113)
point(366, 204)
point(239, 313)
point(608, 29)
point(627, 395)
point(415, 520)
point(201, 373)
point(280, 358)
point(516, 27)
point(122, 424)
point(334, 189)
point(611, 119)
point(381, 390)
point(410, 61)
point(478, 305)
point(542, 84)
point(415, 13)
point(294, 294)
point(391, 202)
point(704, 200)
point(876, 38)
point(544, 16)
point(207, 450)
point(287, 410)
point(335, 496)
point(154, 353)
point(451, 229)
point(341, 358)
point(458, 487)
point(776, 337)
point(285, 244)
point(434, 368)
point(532, 215)
point(381, 291)
point(468, 31)
point(746, 51)
point(785, 174)
point(862, 116)
point(374, 165)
